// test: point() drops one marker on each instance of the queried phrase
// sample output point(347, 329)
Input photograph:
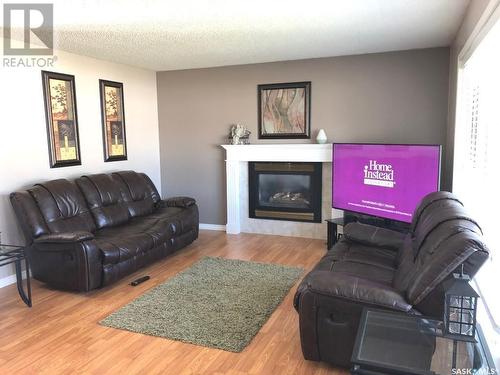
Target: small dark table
point(332, 231)
point(396, 343)
point(15, 254)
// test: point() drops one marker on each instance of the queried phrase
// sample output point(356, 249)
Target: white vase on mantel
point(321, 137)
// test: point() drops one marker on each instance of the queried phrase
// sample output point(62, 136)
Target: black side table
point(400, 344)
point(332, 231)
point(15, 254)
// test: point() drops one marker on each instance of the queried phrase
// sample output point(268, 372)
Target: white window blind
point(477, 157)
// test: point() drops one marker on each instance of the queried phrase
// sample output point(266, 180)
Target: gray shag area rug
point(218, 303)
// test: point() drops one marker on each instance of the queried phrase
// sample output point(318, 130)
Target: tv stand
point(333, 234)
point(398, 226)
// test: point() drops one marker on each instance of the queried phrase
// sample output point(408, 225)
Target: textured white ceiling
point(183, 34)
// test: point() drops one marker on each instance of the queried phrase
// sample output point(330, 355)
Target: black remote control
point(139, 280)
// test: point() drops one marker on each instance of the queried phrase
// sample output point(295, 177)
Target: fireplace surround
point(285, 191)
point(237, 158)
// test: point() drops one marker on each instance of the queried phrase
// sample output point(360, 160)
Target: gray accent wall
point(395, 97)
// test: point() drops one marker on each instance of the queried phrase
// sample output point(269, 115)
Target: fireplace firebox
point(285, 191)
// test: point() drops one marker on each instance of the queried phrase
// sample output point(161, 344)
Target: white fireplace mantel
point(236, 155)
point(279, 152)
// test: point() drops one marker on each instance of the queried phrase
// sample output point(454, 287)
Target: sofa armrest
point(66, 237)
point(183, 202)
point(352, 288)
point(74, 265)
point(374, 236)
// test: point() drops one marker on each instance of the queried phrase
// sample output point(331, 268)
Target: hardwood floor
point(61, 334)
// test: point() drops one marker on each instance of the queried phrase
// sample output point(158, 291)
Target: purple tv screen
point(384, 180)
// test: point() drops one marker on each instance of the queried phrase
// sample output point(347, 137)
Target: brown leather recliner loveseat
point(380, 268)
point(88, 233)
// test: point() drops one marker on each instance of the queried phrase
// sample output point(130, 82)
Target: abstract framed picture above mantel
point(113, 120)
point(61, 116)
point(284, 110)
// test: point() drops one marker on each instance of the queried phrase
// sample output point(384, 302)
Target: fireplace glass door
point(285, 191)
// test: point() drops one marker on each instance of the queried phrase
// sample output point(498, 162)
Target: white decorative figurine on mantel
point(321, 137)
point(239, 135)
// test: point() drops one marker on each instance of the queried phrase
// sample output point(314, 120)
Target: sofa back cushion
point(433, 201)
point(62, 206)
point(438, 223)
point(105, 195)
point(444, 237)
point(29, 215)
point(432, 268)
point(140, 194)
point(406, 265)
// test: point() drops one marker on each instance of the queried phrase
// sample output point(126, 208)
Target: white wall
point(469, 23)
point(478, 13)
point(24, 156)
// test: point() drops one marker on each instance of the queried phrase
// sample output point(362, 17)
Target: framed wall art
point(61, 115)
point(284, 110)
point(113, 120)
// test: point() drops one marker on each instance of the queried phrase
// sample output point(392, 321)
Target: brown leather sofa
point(88, 233)
point(380, 268)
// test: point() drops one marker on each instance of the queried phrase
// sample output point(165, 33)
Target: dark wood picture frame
point(285, 91)
point(63, 139)
point(114, 136)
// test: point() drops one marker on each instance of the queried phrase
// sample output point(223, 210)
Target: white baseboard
point(218, 227)
point(11, 279)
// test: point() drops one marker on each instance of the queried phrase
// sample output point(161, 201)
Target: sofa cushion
point(166, 212)
point(106, 199)
point(140, 234)
point(406, 264)
point(378, 257)
point(437, 223)
point(155, 196)
point(181, 220)
point(371, 264)
point(358, 253)
point(434, 200)
point(353, 289)
point(123, 246)
point(70, 237)
point(364, 271)
point(63, 206)
point(29, 215)
point(140, 195)
point(431, 268)
point(374, 236)
point(160, 229)
point(444, 237)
